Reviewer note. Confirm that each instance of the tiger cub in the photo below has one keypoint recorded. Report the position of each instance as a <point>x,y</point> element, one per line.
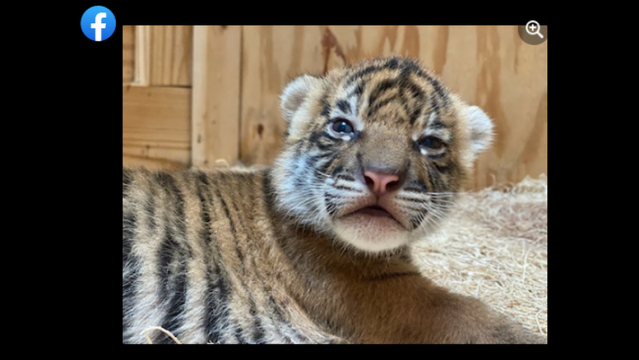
<point>315,248</point>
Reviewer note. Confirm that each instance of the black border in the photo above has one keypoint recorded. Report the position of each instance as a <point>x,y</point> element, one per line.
<point>97,69</point>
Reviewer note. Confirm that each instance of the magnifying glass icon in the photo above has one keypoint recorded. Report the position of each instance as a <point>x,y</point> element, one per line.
<point>533,28</point>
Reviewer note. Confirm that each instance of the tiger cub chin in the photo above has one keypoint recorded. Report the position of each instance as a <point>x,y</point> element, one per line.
<point>314,248</point>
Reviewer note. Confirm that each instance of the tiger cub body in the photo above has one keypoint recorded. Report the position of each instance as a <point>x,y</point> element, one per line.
<point>315,248</point>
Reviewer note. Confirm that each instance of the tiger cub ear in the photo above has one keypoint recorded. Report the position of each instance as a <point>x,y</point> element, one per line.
<point>295,93</point>
<point>481,130</point>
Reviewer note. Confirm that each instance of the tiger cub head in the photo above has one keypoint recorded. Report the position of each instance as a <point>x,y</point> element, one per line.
<point>374,153</point>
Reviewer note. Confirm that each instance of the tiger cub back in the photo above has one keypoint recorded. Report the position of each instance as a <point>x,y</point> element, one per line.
<point>197,262</point>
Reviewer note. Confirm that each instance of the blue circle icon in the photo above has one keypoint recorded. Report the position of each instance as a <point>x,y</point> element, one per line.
<point>98,23</point>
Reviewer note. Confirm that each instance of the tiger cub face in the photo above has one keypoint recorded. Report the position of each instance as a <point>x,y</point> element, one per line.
<point>375,152</point>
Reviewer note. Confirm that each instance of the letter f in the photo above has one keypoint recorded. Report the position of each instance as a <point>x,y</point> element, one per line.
<point>98,26</point>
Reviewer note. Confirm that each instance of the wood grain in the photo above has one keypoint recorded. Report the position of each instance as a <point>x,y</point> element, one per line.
<point>128,48</point>
<point>271,56</point>
<point>157,123</point>
<point>216,94</point>
<point>170,55</point>
<point>131,161</point>
<point>487,65</point>
<point>141,59</point>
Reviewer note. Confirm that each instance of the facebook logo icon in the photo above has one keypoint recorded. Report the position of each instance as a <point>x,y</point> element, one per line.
<point>98,23</point>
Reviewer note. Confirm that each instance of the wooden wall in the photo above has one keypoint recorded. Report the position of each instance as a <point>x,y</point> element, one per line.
<point>193,95</point>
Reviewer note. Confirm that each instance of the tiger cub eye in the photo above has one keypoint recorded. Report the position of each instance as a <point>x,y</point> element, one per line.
<point>431,142</point>
<point>342,126</point>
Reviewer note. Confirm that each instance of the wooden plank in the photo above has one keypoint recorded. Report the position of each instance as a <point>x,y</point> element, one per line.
<point>141,73</point>
<point>511,86</point>
<point>271,56</point>
<point>156,123</point>
<point>488,66</point>
<point>132,161</point>
<point>170,55</point>
<point>128,49</point>
<point>216,94</point>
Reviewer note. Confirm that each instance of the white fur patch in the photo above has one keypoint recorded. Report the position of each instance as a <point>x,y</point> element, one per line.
<point>295,93</point>
<point>371,234</point>
<point>481,129</point>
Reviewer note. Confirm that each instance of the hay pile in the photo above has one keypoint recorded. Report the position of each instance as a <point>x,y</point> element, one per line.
<point>494,247</point>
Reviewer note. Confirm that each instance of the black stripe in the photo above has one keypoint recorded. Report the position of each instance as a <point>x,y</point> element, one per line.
<point>435,107</point>
<point>392,63</point>
<point>435,180</point>
<point>324,147</point>
<point>179,220</point>
<point>416,201</point>
<point>331,207</point>
<point>217,316</point>
<point>131,263</point>
<point>149,209</point>
<point>238,335</point>
<point>217,294</point>
<point>329,136</point>
<point>128,233</point>
<point>231,223</point>
<point>343,106</point>
<point>380,104</point>
<point>413,115</point>
<point>126,180</point>
<point>326,107</point>
<point>278,318</point>
<point>326,166</point>
<point>173,254</point>
<point>436,156</point>
<point>202,184</point>
<point>226,210</point>
<point>412,67</point>
<point>357,91</point>
<point>361,73</point>
<point>342,187</point>
<point>216,288</point>
<point>318,175</point>
<point>416,91</point>
<point>436,124</point>
<point>344,177</point>
<point>416,221</point>
<point>313,159</point>
<point>409,66</point>
<point>382,87</point>
<point>442,168</point>
<point>417,96</point>
<point>175,288</point>
<point>313,138</point>
<point>439,89</point>
<point>360,166</point>
<point>418,210</point>
<point>337,170</point>
<point>257,333</point>
<point>417,186</point>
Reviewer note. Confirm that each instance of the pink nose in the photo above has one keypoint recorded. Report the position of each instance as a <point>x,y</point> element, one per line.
<point>380,183</point>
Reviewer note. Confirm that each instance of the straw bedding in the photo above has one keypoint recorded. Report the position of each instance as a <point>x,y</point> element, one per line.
<point>494,247</point>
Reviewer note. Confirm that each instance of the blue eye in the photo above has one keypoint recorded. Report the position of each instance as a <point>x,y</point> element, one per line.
<point>342,126</point>
<point>431,142</point>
